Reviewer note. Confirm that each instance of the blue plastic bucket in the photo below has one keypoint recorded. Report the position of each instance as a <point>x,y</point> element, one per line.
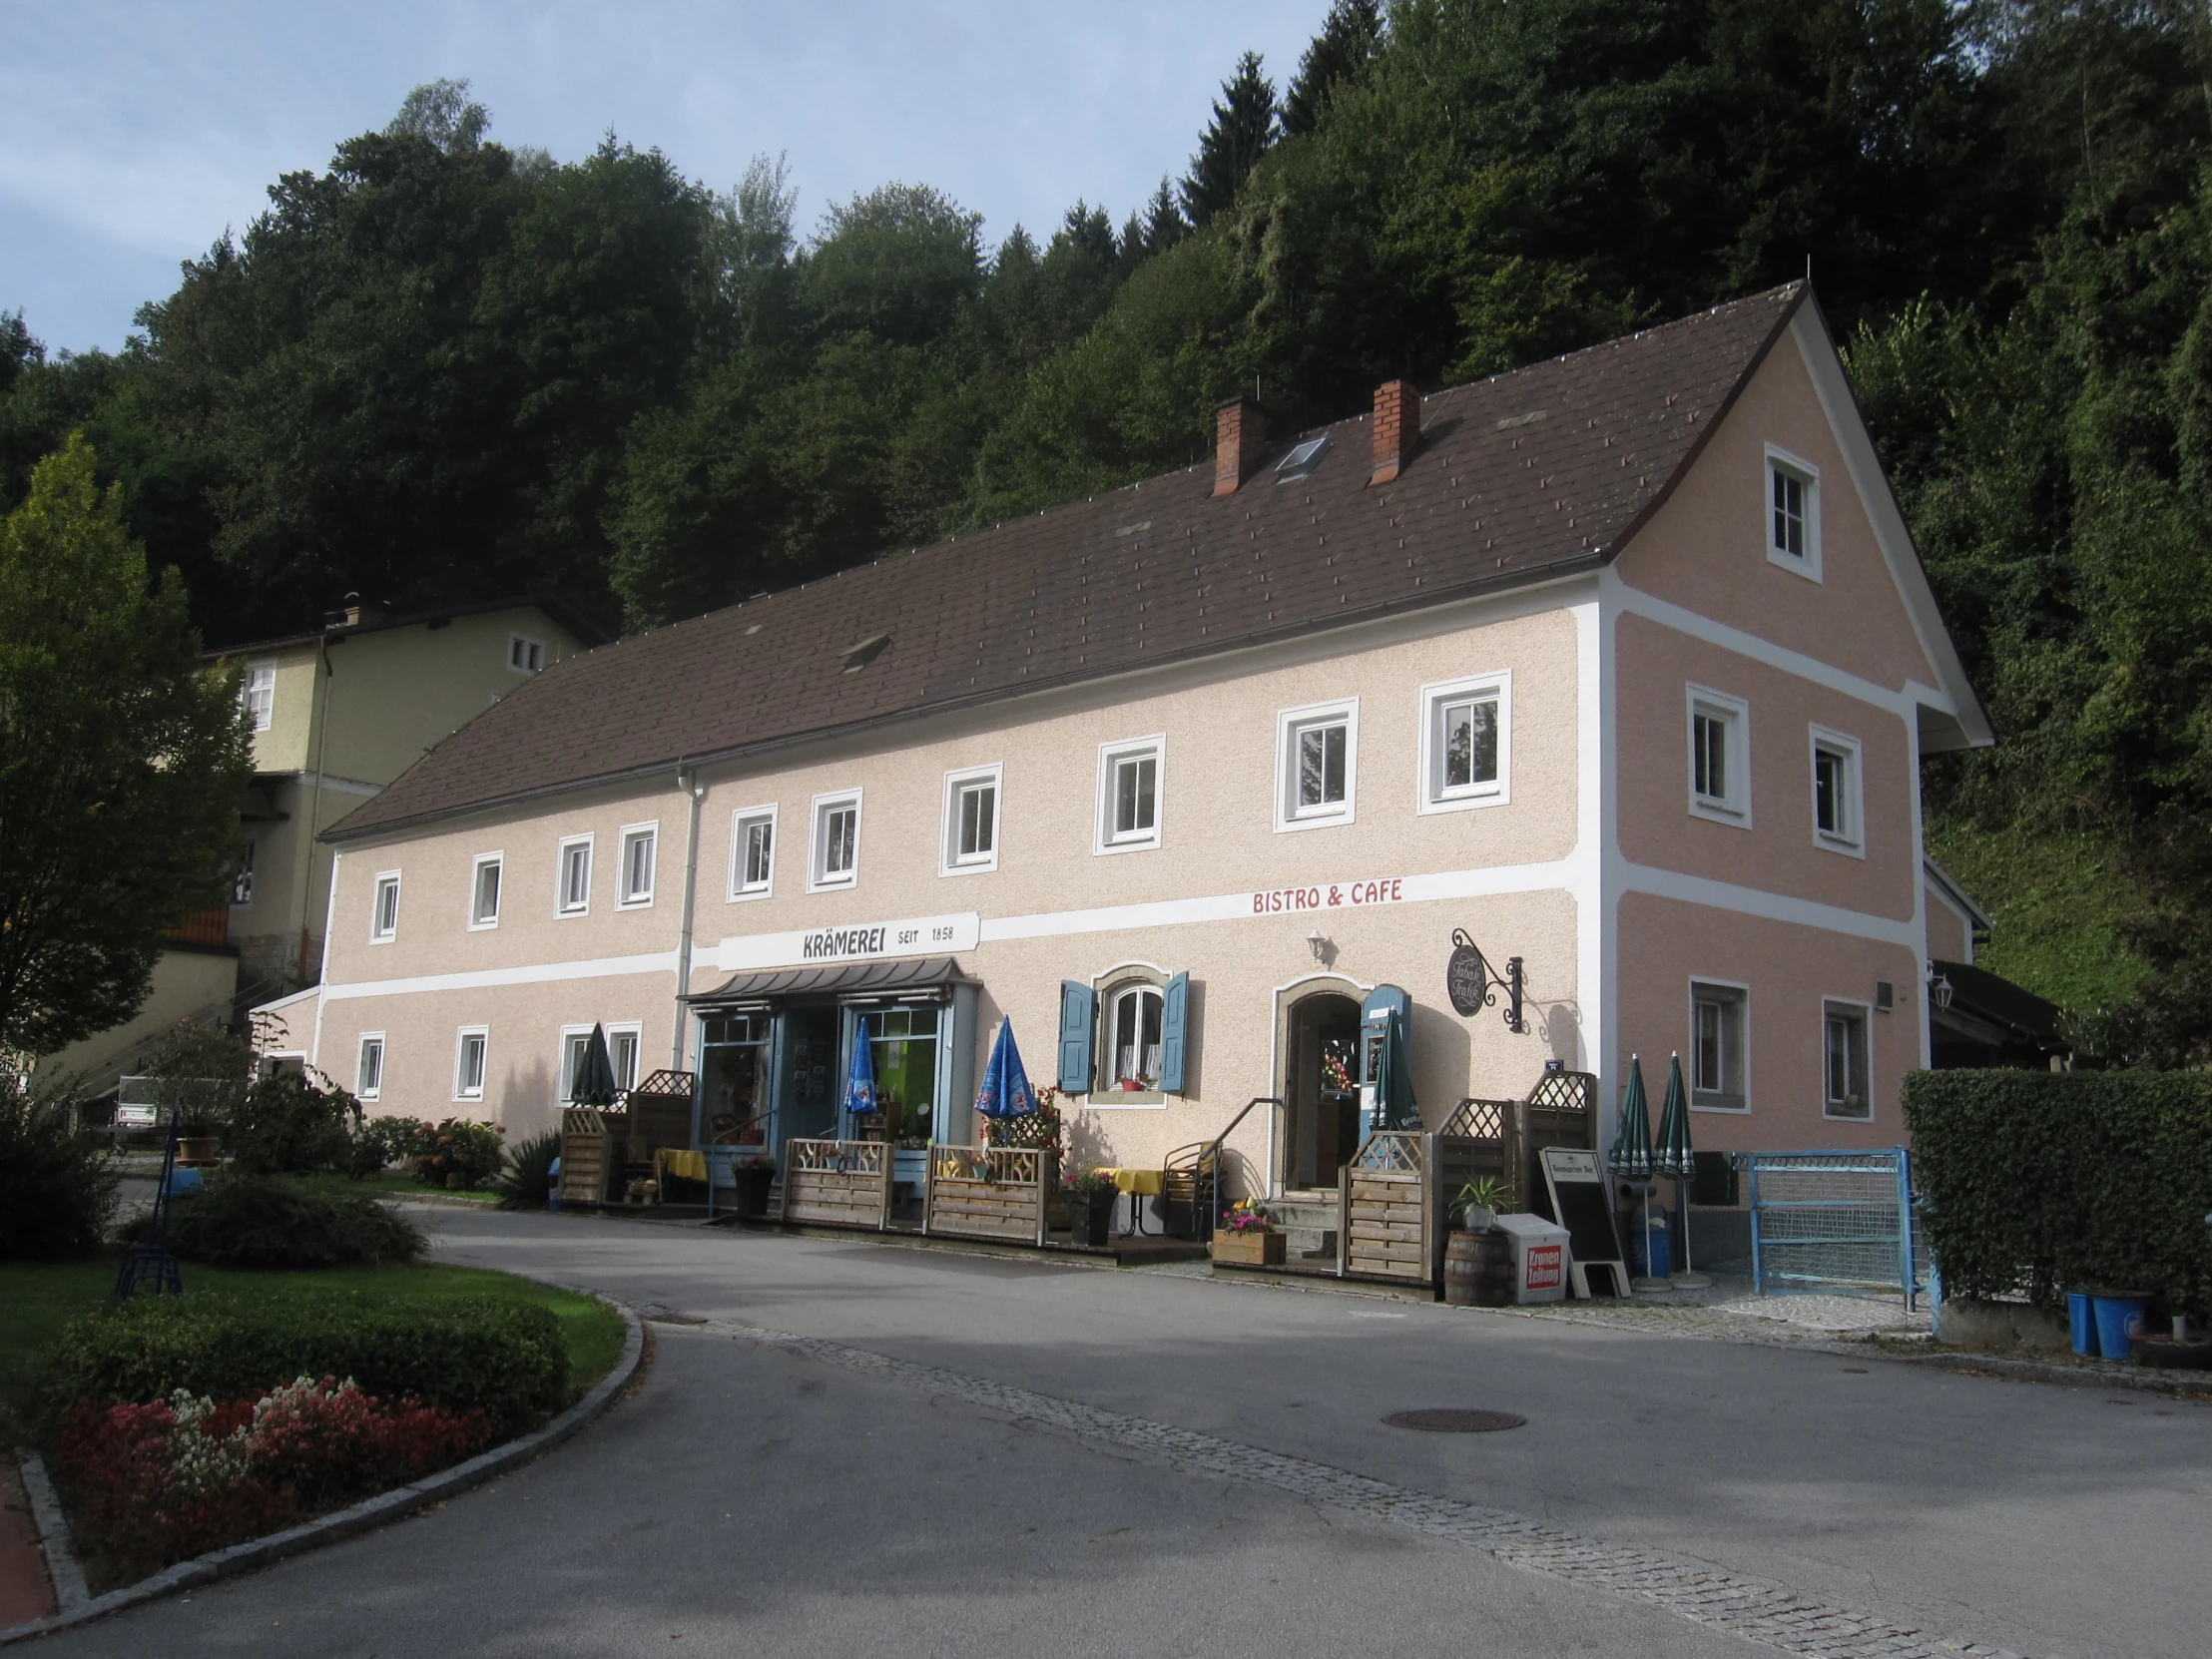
<point>1657,1267</point>
<point>2081,1313</point>
<point>2119,1322</point>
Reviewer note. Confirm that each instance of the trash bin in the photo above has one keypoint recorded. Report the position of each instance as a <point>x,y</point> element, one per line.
<point>2120,1324</point>
<point>2082,1318</point>
<point>1540,1257</point>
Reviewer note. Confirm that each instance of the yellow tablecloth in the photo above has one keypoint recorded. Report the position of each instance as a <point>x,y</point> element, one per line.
<point>1146,1183</point>
<point>685,1166</point>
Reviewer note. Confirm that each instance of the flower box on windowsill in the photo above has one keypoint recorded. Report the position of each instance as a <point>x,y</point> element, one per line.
<point>1249,1249</point>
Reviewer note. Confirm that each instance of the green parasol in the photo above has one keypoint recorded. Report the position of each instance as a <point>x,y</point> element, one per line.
<point>1674,1157</point>
<point>1393,1079</point>
<point>1629,1157</point>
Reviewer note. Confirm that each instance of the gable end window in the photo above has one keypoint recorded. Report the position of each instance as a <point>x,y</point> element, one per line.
<point>1839,799</point>
<point>573,897</point>
<point>524,654</point>
<point>383,909</point>
<point>1720,756</point>
<point>484,892</point>
<point>258,693</point>
<point>1846,1064</point>
<point>1719,1047</point>
<point>752,852</point>
<point>634,875</point>
<point>1317,764</point>
<point>1793,513</point>
<point>971,820</point>
<point>1466,747</point>
<point>835,857</point>
<point>1131,776</point>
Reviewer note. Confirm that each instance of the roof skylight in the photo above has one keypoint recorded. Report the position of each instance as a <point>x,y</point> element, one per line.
<point>1302,460</point>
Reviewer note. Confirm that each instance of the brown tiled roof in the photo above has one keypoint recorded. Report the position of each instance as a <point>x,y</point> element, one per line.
<point>1519,477</point>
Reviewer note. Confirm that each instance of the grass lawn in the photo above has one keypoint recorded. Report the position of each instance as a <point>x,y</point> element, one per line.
<point>2057,901</point>
<point>38,1299</point>
<point>400,1184</point>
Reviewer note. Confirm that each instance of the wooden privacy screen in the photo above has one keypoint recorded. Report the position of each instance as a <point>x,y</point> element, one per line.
<point>840,1183</point>
<point>1384,1215</point>
<point>990,1191</point>
<point>585,1137</point>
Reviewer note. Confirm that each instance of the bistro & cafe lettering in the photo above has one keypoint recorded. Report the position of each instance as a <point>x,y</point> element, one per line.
<point>1387,890</point>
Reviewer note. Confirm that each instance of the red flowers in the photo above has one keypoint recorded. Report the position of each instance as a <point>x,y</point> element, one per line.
<point>162,1483</point>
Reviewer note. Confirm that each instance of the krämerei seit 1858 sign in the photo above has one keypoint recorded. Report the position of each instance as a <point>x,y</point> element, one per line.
<point>852,942</point>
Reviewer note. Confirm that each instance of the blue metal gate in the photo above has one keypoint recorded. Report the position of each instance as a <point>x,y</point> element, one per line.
<point>1836,1221</point>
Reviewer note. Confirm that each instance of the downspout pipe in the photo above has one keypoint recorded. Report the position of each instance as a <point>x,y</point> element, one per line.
<point>314,801</point>
<point>686,779</point>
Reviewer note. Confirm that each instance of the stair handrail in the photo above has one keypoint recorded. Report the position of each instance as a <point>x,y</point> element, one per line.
<point>1211,1156</point>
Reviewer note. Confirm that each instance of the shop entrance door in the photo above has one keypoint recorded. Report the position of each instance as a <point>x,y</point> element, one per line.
<point>1323,1091</point>
<point>806,1088</point>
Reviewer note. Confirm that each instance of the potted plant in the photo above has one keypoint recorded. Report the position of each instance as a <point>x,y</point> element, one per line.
<point>754,1174</point>
<point>1476,1204</point>
<point>1090,1200</point>
<point>1246,1238</point>
<point>1478,1258</point>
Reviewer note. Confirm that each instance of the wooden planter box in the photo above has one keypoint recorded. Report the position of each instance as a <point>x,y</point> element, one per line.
<point>1248,1250</point>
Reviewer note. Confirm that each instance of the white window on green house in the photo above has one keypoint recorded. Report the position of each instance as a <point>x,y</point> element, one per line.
<point>241,877</point>
<point>469,1063</point>
<point>835,859</point>
<point>753,852</point>
<point>1845,1063</point>
<point>257,691</point>
<point>483,894</point>
<point>971,820</point>
<point>524,654</point>
<point>1719,1046</point>
<point>369,1066</point>
<point>574,895</point>
<point>383,909</point>
<point>635,875</point>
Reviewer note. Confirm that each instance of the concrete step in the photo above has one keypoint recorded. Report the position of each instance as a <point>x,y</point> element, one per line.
<point>1307,1221</point>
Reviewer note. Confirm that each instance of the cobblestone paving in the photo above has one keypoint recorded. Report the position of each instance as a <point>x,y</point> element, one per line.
<point>1758,1611</point>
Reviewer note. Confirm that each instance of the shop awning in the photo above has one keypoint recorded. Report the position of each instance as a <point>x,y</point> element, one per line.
<point>918,975</point>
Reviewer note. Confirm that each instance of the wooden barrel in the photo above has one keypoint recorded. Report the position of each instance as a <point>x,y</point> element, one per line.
<point>1478,1270</point>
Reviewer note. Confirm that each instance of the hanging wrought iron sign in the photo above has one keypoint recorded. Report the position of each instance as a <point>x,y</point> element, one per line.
<point>1472,986</point>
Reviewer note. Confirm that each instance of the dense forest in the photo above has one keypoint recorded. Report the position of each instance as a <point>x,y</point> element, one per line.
<point>448,368</point>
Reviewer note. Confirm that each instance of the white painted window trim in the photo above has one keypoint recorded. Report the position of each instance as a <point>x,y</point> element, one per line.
<point>264,714</point>
<point>1104,988</point>
<point>1431,796</point>
<point>818,850</point>
<point>1288,724</point>
<point>378,932</point>
<point>1718,984</point>
<point>561,906</point>
<point>1102,817</point>
<point>949,861</point>
<point>1866,1025</point>
<point>628,833</point>
<point>363,1091</point>
<point>460,1051</point>
<point>1781,460</point>
<point>1735,808</point>
<point>740,821</point>
<point>1852,844</point>
<point>563,1079</point>
<point>530,643</point>
<point>475,874</point>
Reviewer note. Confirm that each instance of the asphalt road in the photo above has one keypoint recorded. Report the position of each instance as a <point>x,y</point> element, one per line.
<point>763,1498</point>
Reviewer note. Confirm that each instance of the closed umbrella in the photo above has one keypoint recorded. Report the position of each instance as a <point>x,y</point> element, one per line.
<point>594,1083</point>
<point>1395,1107</point>
<point>1006,1092</point>
<point>859,1082</point>
<point>1629,1158</point>
<point>1673,1157</point>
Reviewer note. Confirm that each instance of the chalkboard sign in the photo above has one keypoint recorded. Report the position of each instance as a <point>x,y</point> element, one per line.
<point>1581,1204</point>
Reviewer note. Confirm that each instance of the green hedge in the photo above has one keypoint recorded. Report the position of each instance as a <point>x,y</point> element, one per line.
<point>267,1221</point>
<point>509,1359</point>
<point>2045,1182</point>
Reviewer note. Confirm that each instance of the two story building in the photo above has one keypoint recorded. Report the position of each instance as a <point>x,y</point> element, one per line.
<point>1622,665</point>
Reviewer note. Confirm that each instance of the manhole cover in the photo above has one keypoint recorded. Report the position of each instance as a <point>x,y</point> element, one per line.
<point>1452,1421</point>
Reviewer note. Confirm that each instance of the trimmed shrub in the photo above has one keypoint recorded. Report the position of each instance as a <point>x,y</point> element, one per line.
<point>2043,1183</point>
<point>379,1143</point>
<point>460,1154</point>
<point>527,1181</point>
<point>261,1221</point>
<point>505,1359</point>
<point>57,1182</point>
<point>288,1125</point>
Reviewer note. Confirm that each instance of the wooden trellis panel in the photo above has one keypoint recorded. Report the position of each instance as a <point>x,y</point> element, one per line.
<point>989,1192</point>
<point>837,1183</point>
<point>1384,1224</point>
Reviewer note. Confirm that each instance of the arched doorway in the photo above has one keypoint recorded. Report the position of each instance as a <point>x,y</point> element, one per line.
<point>1321,1089</point>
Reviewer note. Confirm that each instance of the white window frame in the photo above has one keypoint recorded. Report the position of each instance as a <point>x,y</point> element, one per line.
<point>498,861</point>
<point>257,694</point>
<point>1865,1011</point>
<point>1735,807</point>
<point>624,899</point>
<point>363,1090</point>
<point>1106,989</point>
<point>564,1074</point>
<point>1110,756</point>
<point>1703,982</point>
<point>819,878</point>
<point>950,860</point>
<point>378,932</point>
<point>1781,461</point>
<point>482,1034</point>
<point>1291,725</point>
<point>1852,839</point>
<point>1434,796</point>
<point>741,824</point>
<point>530,649</point>
<point>561,906</point>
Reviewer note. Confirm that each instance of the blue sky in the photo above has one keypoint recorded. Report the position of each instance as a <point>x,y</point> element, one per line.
<point>131,135</point>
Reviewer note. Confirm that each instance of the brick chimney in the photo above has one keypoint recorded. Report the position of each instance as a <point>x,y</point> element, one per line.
<point>1396,428</point>
<point>1240,434</point>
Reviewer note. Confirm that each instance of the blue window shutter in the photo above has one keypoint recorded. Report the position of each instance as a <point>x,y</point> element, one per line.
<point>1078,1012</point>
<point>1175,1025</point>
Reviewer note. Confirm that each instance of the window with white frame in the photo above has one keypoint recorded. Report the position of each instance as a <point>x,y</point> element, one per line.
<point>469,1063</point>
<point>1720,749</point>
<point>572,895</point>
<point>634,878</point>
<point>1135,1019</point>
<point>1719,1036</point>
<point>383,908</point>
<point>1465,758</point>
<point>1793,513</point>
<point>1130,775</point>
<point>1845,1063</point>
<point>1317,764</point>
<point>835,860</point>
<point>369,1066</point>
<point>257,694</point>
<point>242,876</point>
<point>971,819</point>
<point>524,654</point>
<point>622,1055</point>
<point>752,852</point>
<point>484,892</point>
<point>1837,796</point>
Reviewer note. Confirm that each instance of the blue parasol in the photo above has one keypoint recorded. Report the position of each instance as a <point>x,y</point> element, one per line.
<point>1006,1092</point>
<point>860,1083</point>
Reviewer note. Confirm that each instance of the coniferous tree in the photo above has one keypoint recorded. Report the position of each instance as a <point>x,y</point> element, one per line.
<point>1241,130</point>
<point>1340,52</point>
<point>1164,223</point>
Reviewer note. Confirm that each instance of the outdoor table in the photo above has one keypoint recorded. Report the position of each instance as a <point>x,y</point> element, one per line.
<point>1135,1184</point>
<point>683,1165</point>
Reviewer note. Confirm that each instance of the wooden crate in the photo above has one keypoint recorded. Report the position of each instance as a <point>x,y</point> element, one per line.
<point>837,1183</point>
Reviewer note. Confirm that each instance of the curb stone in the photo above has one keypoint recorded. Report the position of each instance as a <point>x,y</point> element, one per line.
<point>62,1571</point>
<point>360,1517</point>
